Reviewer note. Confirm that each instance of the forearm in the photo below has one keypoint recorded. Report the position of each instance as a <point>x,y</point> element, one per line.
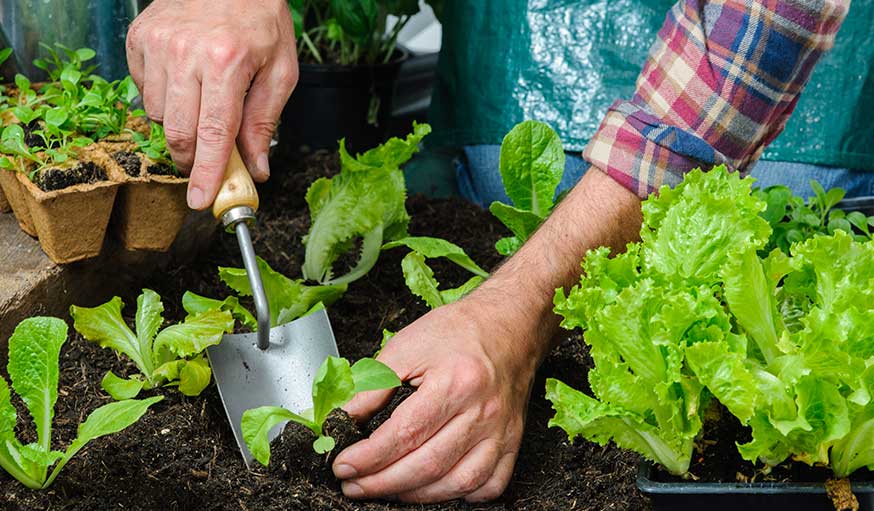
<point>597,212</point>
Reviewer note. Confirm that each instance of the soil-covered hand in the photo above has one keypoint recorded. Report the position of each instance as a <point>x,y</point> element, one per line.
<point>458,435</point>
<point>214,71</point>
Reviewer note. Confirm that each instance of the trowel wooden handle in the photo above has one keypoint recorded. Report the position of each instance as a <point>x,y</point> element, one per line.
<point>237,187</point>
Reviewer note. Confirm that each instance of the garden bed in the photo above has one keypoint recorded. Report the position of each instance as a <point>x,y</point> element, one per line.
<point>182,455</point>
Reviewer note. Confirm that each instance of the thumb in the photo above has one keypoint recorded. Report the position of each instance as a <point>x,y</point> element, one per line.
<point>395,356</point>
<point>267,96</point>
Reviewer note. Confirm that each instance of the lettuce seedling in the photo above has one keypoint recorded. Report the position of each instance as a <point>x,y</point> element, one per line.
<point>288,299</point>
<point>171,357</point>
<point>34,349</point>
<point>794,220</point>
<point>335,384</point>
<point>365,202</point>
<point>419,277</point>
<point>532,164</point>
<point>155,145</point>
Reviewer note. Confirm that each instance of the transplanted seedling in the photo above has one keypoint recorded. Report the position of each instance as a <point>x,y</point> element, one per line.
<point>34,349</point>
<point>173,356</point>
<point>532,165</point>
<point>419,277</point>
<point>365,202</point>
<point>287,298</point>
<point>335,384</point>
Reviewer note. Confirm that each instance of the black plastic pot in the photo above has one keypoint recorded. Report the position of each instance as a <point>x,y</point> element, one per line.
<point>333,102</point>
<point>695,496</point>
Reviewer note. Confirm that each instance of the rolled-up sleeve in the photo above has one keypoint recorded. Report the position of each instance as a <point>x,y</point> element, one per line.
<point>719,84</point>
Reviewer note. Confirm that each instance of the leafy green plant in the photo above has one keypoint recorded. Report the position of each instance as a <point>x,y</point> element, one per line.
<point>348,32</point>
<point>695,312</point>
<point>419,277</point>
<point>335,384</point>
<point>532,164</point>
<point>794,220</point>
<point>170,357</point>
<point>365,202</point>
<point>155,145</point>
<point>288,299</point>
<point>5,53</point>
<point>68,113</point>
<point>34,349</point>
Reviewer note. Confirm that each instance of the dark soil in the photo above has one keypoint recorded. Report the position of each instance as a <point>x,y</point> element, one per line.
<point>182,454</point>
<point>31,139</point>
<point>86,172</point>
<point>716,458</point>
<point>161,169</point>
<point>132,165</point>
<point>129,161</point>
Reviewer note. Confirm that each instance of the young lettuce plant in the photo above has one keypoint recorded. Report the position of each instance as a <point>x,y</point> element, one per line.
<point>335,384</point>
<point>170,357</point>
<point>288,299</point>
<point>532,164</point>
<point>419,277</point>
<point>34,349</point>
<point>794,220</point>
<point>365,202</point>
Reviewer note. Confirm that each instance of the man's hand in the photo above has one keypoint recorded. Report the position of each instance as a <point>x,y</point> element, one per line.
<point>212,72</point>
<point>473,363</point>
<point>458,435</point>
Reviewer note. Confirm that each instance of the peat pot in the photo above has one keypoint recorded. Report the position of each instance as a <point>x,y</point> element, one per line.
<point>333,102</point>
<point>14,194</point>
<point>151,205</point>
<point>4,203</point>
<point>70,223</point>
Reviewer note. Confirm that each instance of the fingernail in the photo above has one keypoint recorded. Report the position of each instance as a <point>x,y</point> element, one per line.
<point>352,490</point>
<point>195,198</point>
<point>344,471</point>
<point>263,165</point>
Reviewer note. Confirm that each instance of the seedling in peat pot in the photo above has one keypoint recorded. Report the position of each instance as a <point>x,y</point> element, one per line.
<point>34,349</point>
<point>171,357</point>
<point>532,164</point>
<point>335,384</point>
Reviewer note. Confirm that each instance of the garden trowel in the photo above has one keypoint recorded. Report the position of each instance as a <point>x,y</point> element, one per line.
<point>274,366</point>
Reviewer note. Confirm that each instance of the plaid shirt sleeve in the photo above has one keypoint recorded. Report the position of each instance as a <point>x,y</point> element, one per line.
<point>718,86</point>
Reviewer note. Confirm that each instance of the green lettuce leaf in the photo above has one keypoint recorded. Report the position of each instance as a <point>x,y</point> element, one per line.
<point>34,350</point>
<point>195,304</point>
<point>288,299</point>
<point>532,164</point>
<point>161,356</point>
<point>334,385</point>
<point>419,277</point>
<point>365,202</point>
<point>122,388</point>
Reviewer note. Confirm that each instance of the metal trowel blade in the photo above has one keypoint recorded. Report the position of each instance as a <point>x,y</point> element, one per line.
<point>282,375</point>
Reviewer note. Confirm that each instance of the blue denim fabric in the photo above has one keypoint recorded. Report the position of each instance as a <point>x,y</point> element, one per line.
<point>479,179</point>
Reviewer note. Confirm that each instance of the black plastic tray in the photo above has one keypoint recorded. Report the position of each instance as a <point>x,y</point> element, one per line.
<point>695,496</point>
<point>862,204</point>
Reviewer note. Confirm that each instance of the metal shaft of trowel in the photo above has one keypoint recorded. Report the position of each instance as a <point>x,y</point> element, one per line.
<point>262,309</point>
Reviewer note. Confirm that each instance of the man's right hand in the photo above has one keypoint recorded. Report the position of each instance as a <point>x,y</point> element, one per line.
<point>214,72</point>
